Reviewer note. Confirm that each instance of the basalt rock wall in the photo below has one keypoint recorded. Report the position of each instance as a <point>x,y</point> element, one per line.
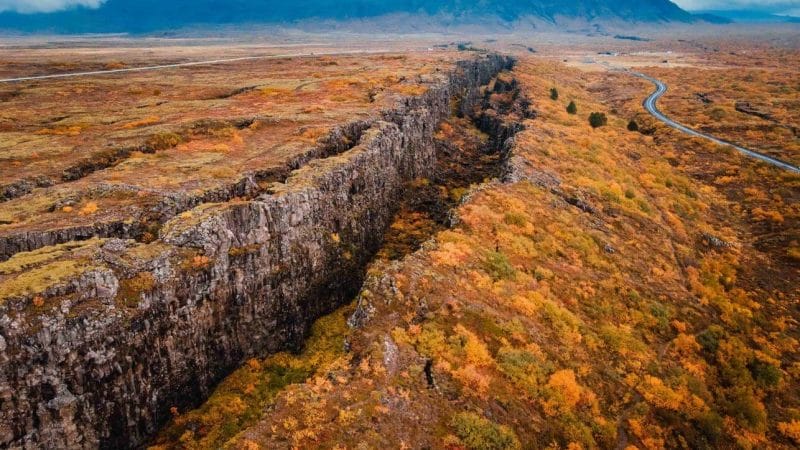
<point>223,283</point>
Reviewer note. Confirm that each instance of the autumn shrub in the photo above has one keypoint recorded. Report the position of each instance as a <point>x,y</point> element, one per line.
<point>498,266</point>
<point>765,374</point>
<point>516,219</point>
<point>163,141</point>
<point>523,367</point>
<point>717,114</point>
<point>768,215</point>
<point>711,426</point>
<point>790,430</point>
<point>709,339</point>
<point>147,121</point>
<point>477,433</point>
<point>563,393</point>
<point>597,119</point>
<point>474,349</point>
<point>196,263</point>
<point>88,209</point>
<point>572,108</point>
<point>130,290</point>
<point>749,412</point>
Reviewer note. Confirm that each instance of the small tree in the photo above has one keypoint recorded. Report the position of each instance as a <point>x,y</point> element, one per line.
<point>597,119</point>
<point>553,94</point>
<point>633,126</point>
<point>572,108</point>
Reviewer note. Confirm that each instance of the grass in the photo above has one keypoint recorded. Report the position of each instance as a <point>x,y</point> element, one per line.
<point>37,280</point>
<point>27,260</point>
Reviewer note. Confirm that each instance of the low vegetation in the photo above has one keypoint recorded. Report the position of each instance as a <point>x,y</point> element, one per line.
<point>241,399</point>
<point>632,288</point>
<point>597,119</point>
<point>572,108</point>
<point>606,300</point>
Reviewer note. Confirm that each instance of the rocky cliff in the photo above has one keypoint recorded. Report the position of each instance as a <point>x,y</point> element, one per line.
<point>114,333</point>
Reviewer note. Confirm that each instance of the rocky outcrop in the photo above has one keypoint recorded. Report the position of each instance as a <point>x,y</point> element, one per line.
<point>103,357</point>
<point>249,185</point>
<point>748,108</point>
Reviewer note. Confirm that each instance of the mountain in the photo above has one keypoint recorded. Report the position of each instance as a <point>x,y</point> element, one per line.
<point>712,18</point>
<point>137,16</point>
<point>749,16</point>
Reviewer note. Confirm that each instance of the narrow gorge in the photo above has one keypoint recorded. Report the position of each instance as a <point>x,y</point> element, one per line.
<point>122,331</point>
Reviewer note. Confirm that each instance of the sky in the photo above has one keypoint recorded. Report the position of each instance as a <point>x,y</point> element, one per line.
<point>34,6</point>
<point>777,6</point>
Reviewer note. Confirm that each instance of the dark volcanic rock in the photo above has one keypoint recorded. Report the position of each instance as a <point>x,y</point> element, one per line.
<point>748,108</point>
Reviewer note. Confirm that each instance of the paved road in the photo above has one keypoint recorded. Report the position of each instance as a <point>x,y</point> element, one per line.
<point>186,64</point>
<point>650,104</point>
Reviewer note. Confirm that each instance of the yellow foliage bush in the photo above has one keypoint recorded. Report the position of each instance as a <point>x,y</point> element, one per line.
<point>565,393</point>
<point>88,209</point>
<point>790,430</point>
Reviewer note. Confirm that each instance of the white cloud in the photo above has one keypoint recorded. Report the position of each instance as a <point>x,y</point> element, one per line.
<point>769,5</point>
<point>40,6</point>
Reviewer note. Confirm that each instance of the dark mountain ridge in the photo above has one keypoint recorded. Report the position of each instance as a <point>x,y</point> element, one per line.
<point>136,16</point>
<point>749,16</point>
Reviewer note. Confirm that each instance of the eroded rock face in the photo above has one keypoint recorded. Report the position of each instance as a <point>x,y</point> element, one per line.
<point>230,281</point>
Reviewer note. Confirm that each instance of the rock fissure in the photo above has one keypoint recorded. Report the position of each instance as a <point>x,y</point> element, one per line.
<point>100,359</point>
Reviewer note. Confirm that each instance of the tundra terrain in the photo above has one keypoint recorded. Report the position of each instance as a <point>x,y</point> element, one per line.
<point>421,245</point>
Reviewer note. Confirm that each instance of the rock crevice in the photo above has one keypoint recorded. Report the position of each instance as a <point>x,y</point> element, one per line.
<point>113,350</point>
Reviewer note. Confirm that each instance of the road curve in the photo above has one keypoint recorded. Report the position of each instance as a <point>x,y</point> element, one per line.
<point>186,64</point>
<point>651,105</point>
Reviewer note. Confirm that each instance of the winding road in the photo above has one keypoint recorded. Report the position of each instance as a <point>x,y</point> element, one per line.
<point>651,105</point>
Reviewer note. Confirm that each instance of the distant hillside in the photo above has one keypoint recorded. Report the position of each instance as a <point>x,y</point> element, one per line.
<point>749,16</point>
<point>152,15</point>
<point>712,18</point>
